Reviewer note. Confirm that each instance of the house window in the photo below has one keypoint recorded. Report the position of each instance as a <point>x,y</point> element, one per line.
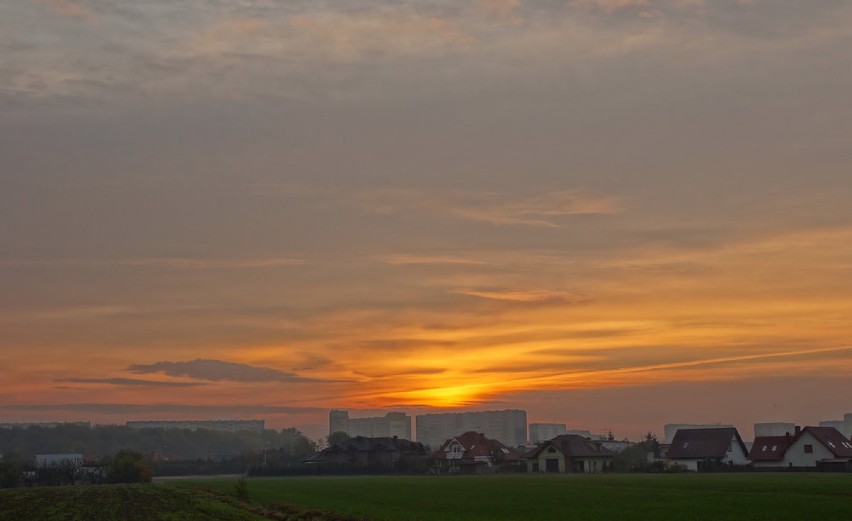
<point>685,444</point>
<point>763,449</point>
<point>830,444</point>
<point>774,448</point>
<point>809,449</point>
<point>551,465</point>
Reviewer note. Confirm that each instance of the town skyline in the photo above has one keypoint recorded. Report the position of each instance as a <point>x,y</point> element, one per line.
<point>612,214</point>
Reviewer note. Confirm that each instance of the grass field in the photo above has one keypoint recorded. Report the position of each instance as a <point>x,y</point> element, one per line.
<point>770,497</point>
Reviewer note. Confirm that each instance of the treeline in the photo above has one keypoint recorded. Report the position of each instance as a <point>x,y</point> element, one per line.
<point>124,467</point>
<point>168,444</point>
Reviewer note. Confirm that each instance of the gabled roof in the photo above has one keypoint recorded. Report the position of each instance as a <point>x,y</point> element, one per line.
<point>475,444</point>
<point>832,439</point>
<point>769,448</point>
<point>573,445</point>
<point>361,443</point>
<point>709,443</point>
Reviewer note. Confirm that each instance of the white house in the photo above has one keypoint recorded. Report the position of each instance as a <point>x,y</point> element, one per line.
<point>55,460</point>
<point>818,446</point>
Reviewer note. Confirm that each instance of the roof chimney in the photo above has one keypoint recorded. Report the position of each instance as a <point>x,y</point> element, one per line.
<point>798,430</point>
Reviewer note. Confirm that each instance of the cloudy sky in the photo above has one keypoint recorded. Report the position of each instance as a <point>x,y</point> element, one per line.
<point>611,213</point>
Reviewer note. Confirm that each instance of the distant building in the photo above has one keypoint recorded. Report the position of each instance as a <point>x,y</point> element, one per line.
<point>257,426</point>
<point>540,432</point>
<point>585,434</point>
<point>43,461</point>
<point>391,424</point>
<point>616,446</point>
<point>508,427</point>
<point>833,424</point>
<point>698,448</point>
<point>474,453</point>
<point>671,428</point>
<point>45,425</point>
<point>844,425</point>
<point>569,453</point>
<point>773,429</point>
<point>369,453</point>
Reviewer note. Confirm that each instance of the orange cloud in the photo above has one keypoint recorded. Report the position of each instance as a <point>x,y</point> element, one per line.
<point>74,9</point>
<point>495,208</point>
<point>504,9</point>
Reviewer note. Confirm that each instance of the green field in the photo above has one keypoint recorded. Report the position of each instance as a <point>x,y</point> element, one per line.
<point>612,497</point>
<point>608,497</point>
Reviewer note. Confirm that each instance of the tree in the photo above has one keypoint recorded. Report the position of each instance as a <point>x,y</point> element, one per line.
<point>337,437</point>
<point>129,466</point>
<point>635,457</point>
<point>11,474</point>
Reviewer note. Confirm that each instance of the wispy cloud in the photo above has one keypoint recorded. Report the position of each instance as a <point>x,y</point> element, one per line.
<point>495,208</point>
<point>527,296</point>
<point>218,370</point>
<point>128,382</point>
<point>168,408</point>
<point>405,259</point>
<point>177,263</point>
<point>75,9</point>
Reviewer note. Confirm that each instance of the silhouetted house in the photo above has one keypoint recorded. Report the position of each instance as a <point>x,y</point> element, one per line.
<point>473,453</point>
<point>368,453</point>
<point>707,449</point>
<point>569,453</point>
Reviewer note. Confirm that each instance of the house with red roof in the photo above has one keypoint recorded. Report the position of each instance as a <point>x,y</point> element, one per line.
<point>705,449</point>
<point>818,447</point>
<point>768,451</point>
<point>569,453</point>
<point>473,453</point>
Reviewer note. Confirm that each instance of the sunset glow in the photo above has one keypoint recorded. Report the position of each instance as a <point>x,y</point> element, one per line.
<point>611,214</point>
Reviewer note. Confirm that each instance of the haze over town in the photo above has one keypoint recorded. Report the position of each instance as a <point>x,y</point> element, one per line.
<point>613,214</point>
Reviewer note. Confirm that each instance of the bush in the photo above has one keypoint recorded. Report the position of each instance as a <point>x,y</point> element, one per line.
<point>129,466</point>
<point>241,490</point>
<point>11,475</point>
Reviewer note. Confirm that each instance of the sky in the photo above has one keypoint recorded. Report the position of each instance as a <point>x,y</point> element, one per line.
<point>613,214</point>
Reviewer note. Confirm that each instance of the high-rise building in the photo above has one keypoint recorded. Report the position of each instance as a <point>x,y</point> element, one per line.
<point>540,432</point>
<point>194,425</point>
<point>774,429</point>
<point>508,427</point>
<point>391,424</point>
<point>844,425</point>
<point>45,425</point>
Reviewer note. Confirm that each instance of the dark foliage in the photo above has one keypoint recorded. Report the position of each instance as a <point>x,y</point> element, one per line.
<point>128,466</point>
<point>167,444</point>
<point>241,490</point>
<point>635,457</point>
